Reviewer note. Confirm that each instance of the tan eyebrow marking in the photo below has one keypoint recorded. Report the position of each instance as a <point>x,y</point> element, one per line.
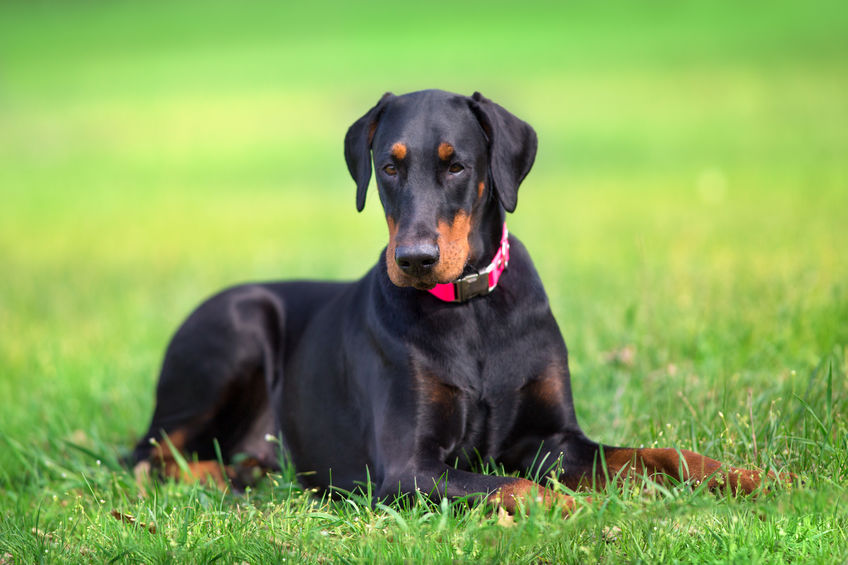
<point>398,150</point>
<point>445,151</point>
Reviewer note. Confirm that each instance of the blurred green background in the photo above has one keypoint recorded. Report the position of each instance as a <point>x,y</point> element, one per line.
<point>687,209</point>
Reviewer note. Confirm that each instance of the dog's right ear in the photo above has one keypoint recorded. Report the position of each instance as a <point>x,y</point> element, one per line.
<point>357,148</point>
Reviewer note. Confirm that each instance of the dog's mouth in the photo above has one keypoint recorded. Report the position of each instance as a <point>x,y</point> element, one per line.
<point>440,273</point>
<point>424,284</point>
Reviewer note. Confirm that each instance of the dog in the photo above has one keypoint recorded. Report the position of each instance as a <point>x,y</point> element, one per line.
<point>443,355</point>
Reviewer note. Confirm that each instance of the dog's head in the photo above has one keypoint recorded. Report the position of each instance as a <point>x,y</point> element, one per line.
<point>441,159</point>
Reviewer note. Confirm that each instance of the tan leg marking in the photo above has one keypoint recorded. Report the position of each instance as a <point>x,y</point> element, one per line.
<point>656,462</point>
<point>206,472</point>
<point>167,453</point>
<point>508,496</point>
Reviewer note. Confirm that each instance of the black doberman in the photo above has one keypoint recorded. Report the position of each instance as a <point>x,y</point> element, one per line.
<point>431,362</point>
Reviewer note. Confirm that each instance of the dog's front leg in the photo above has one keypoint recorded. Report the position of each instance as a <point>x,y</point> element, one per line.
<point>684,465</point>
<point>439,480</point>
<point>584,463</point>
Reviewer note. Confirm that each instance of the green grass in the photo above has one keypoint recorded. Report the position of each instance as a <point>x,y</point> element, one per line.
<point>688,202</point>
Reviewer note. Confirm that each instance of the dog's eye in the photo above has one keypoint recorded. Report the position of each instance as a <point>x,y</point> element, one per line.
<point>390,170</point>
<point>456,168</point>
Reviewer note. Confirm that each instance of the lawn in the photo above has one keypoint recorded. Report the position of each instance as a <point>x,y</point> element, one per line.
<point>688,212</point>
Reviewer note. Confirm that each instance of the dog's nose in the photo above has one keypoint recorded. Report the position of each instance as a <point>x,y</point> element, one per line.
<point>417,260</point>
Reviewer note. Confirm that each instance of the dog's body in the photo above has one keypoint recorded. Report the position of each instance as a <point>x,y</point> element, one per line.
<point>381,379</point>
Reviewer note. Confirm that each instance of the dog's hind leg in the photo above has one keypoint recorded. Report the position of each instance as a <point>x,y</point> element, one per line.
<point>212,397</point>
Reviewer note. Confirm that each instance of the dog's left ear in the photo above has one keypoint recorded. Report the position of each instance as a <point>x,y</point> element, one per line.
<point>357,148</point>
<point>512,147</point>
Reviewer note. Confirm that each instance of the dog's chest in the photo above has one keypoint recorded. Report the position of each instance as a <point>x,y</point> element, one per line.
<point>469,404</point>
<point>476,373</point>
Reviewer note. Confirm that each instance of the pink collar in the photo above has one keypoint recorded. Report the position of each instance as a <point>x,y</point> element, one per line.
<point>476,284</point>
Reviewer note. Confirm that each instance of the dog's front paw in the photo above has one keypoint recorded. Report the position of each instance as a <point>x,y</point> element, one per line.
<point>522,493</point>
<point>745,481</point>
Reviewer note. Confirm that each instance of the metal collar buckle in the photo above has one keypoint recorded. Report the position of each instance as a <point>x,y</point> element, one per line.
<point>469,286</point>
<point>478,284</point>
